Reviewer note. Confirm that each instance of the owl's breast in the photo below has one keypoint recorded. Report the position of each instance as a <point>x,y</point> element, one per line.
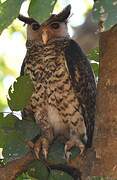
<point>53,89</point>
<point>56,75</point>
<point>55,119</point>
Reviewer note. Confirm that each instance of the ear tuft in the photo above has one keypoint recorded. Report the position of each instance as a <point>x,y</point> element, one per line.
<point>61,17</point>
<point>27,20</point>
<point>64,14</point>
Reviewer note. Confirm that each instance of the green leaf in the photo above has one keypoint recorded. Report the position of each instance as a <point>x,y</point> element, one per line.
<point>94,54</point>
<point>40,9</point>
<point>59,175</point>
<point>3,138</point>
<point>24,176</point>
<point>29,129</point>
<point>14,146</point>
<point>107,11</point>
<point>95,67</point>
<point>14,134</point>
<point>20,93</point>
<point>56,153</point>
<point>38,170</point>
<point>6,126</point>
<point>11,140</point>
<point>9,10</point>
<point>8,121</point>
<point>1,116</point>
<point>75,151</point>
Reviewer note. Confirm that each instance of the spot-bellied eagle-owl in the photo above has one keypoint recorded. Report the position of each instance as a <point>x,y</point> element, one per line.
<point>63,101</point>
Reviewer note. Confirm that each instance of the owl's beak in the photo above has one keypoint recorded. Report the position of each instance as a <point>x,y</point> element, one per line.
<point>45,36</point>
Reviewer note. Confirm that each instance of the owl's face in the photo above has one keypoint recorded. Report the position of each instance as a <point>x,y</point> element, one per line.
<point>52,28</point>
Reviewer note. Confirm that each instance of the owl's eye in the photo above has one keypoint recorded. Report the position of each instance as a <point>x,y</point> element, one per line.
<point>35,26</point>
<point>55,25</point>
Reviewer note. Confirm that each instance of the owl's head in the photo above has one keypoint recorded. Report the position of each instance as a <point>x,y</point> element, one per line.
<point>52,28</point>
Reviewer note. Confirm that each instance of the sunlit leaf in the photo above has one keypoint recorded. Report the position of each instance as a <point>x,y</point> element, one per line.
<point>41,10</point>
<point>24,176</point>
<point>94,55</point>
<point>20,93</point>
<point>9,10</point>
<point>1,116</point>
<point>95,67</point>
<point>106,11</point>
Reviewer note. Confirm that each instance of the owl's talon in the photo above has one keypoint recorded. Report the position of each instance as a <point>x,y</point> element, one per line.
<point>30,144</point>
<point>67,153</point>
<point>70,144</point>
<point>82,147</point>
<point>45,146</point>
<point>37,150</point>
<point>41,144</point>
<point>45,153</point>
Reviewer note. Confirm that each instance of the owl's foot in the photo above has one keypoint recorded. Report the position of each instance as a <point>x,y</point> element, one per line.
<point>42,144</point>
<point>73,143</point>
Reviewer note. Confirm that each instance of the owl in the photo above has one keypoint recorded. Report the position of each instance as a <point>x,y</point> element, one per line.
<point>63,101</point>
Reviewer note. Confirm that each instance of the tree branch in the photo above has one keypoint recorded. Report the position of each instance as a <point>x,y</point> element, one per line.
<point>16,167</point>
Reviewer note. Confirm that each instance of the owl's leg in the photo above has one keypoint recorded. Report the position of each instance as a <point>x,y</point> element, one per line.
<point>73,142</point>
<point>77,134</point>
<point>46,138</point>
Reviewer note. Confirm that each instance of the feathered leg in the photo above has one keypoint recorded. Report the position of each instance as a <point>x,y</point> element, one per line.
<point>46,138</point>
<point>77,133</point>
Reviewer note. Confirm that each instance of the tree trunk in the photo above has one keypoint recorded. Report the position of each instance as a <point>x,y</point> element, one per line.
<point>105,136</point>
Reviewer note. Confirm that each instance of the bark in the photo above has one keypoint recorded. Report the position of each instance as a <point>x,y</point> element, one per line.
<point>16,167</point>
<point>101,159</point>
<point>105,137</point>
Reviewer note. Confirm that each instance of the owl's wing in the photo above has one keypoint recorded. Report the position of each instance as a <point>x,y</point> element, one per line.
<point>27,57</point>
<point>22,68</point>
<point>83,82</point>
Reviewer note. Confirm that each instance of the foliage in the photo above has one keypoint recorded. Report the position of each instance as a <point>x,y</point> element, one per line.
<point>40,9</point>
<point>93,56</point>
<point>105,10</point>
<point>15,132</point>
<point>6,14</point>
<point>22,85</point>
